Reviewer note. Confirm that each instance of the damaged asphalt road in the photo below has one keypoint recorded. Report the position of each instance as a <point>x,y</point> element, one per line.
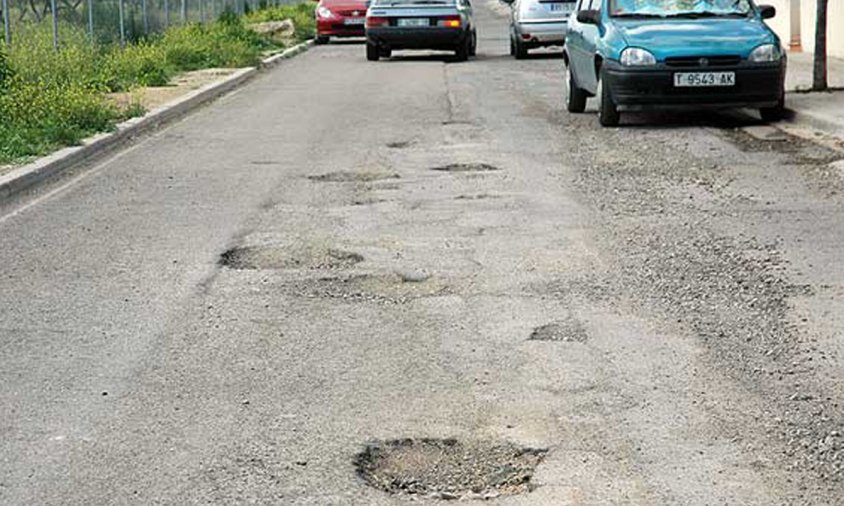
<point>439,286</point>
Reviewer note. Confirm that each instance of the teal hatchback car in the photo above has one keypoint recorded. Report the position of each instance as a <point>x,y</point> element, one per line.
<point>668,54</point>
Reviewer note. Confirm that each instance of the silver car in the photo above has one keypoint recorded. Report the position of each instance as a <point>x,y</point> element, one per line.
<point>537,23</point>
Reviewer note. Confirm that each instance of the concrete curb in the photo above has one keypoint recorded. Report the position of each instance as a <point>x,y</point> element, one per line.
<point>797,117</point>
<point>27,176</point>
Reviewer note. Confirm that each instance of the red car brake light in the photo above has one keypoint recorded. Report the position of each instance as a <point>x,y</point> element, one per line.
<point>450,22</point>
<point>375,22</point>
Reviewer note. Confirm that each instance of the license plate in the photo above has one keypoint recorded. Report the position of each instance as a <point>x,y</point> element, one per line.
<point>354,21</point>
<point>564,8</point>
<point>413,22</point>
<point>704,79</point>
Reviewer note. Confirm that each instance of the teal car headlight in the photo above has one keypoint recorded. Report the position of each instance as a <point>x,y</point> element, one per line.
<point>766,53</point>
<point>637,57</point>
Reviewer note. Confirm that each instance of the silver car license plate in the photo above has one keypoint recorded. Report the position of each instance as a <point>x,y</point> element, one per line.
<point>560,7</point>
<point>704,79</point>
<point>415,22</point>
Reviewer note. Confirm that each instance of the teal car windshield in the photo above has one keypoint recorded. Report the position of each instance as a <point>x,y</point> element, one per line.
<point>679,8</point>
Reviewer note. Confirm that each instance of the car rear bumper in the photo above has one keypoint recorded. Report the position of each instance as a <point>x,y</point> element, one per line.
<point>338,28</point>
<point>439,38</point>
<point>536,34</point>
<point>756,85</point>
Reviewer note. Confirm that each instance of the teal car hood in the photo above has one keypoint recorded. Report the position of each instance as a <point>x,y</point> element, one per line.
<point>692,37</point>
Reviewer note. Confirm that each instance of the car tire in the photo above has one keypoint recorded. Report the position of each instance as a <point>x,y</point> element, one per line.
<point>473,49</point>
<point>775,113</point>
<point>385,52</point>
<point>608,114</point>
<point>575,97</point>
<point>521,51</point>
<point>512,47</point>
<point>372,52</point>
<point>321,39</point>
<point>461,52</point>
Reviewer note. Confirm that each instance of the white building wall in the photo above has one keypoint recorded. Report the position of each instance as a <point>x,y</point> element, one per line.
<point>835,24</point>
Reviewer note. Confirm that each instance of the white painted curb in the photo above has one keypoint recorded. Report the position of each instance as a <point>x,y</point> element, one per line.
<point>25,177</point>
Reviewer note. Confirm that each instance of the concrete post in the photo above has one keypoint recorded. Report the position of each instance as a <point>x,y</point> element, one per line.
<point>55,10</point>
<point>795,44</point>
<point>7,27</point>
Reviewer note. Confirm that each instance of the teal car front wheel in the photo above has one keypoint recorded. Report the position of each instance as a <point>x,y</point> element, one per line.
<point>575,97</point>
<point>608,114</point>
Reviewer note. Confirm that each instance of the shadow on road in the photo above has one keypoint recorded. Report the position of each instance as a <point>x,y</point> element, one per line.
<point>357,41</point>
<point>722,120</point>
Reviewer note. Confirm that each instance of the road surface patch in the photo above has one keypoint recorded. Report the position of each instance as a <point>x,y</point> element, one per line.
<point>448,468</point>
<point>274,257</point>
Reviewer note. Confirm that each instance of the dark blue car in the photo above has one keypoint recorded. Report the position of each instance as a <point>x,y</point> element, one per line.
<point>668,54</point>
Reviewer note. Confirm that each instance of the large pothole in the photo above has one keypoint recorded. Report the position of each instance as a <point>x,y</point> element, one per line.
<point>275,257</point>
<point>448,468</point>
<point>398,288</point>
<point>352,177</point>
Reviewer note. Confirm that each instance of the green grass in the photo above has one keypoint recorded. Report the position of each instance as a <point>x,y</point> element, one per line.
<point>301,14</point>
<point>50,99</point>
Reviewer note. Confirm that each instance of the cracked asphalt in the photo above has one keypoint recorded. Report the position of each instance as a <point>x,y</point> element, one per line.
<point>343,252</point>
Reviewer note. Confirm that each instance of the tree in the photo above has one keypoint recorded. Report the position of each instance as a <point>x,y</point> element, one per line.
<point>819,81</point>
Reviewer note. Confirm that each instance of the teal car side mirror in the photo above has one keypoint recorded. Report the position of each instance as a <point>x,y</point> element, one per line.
<point>589,17</point>
<point>767,11</point>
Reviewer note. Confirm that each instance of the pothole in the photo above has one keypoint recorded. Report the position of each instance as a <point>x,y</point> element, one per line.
<point>466,167</point>
<point>567,330</point>
<point>448,468</point>
<point>368,201</point>
<point>399,144</point>
<point>479,196</point>
<point>275,257</point>
<point>352,177</point>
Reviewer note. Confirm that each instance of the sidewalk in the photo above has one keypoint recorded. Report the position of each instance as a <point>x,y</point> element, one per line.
<point>822,111</point>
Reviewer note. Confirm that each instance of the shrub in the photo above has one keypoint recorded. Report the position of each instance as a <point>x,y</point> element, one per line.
<point>225,43</point>
<point>302,15</point>
<point>141,64</point>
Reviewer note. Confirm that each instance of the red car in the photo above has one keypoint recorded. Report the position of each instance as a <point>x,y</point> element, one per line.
<point>340,18</point>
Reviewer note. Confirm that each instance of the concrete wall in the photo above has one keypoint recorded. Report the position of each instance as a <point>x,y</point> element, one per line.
<point>835,28</point>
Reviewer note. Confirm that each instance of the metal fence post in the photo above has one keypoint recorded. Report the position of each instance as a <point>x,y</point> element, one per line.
<point>91,18</point>
<point>145,15</point>
<point>7,26</point>
<point>202,11</point>
<point>184,11</point>
<point>166,13</point>
<point>55,10</point>
<point>122,23</point>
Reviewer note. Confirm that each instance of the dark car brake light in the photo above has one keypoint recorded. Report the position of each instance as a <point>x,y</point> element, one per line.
<point>375,22</point>
<point>450,22</point>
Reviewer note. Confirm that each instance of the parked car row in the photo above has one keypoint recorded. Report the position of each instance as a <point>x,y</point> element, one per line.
<point>629,54</point>
<point>446,25</point>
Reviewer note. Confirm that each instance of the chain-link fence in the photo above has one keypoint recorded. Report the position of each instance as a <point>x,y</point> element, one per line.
<point>117,20</point>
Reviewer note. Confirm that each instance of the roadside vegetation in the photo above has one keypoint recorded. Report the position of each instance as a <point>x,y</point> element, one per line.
<point>50,99</point>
